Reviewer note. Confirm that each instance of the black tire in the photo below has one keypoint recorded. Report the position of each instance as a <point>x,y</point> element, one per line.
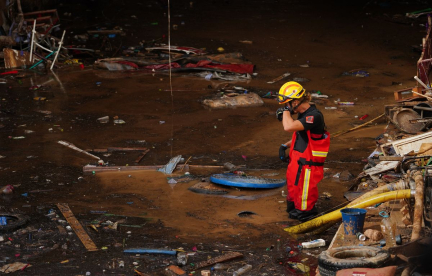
<point>352,257</point>
<point>325,272</point>
<point>14,221</point>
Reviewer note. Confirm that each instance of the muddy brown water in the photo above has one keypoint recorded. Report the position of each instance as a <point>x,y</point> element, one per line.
<point>332,39</point>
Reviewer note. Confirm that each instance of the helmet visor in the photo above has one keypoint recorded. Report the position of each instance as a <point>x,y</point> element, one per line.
<point>283,99</point>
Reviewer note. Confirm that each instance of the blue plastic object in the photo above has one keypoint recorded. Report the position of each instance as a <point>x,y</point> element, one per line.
<point>234,180</point>
<point>3,221</point>
<point>353,220</point>
<point>150,251</point>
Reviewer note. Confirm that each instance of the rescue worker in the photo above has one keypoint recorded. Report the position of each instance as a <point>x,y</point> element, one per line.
<point>308,149</point>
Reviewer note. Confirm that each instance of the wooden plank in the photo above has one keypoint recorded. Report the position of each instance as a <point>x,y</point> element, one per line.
<point>226,257</point>
<point>77,227</point>
<point>107,32</point>
<point>390,158</point>
<point>126,149</point>
<point>141,156</point>
<point>91,168</point>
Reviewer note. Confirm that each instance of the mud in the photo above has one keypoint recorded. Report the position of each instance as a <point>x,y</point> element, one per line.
<point>331,39</point>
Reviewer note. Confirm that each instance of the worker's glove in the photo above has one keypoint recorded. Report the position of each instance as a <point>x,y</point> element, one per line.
<point>282,155</point>
<point>280,111</point>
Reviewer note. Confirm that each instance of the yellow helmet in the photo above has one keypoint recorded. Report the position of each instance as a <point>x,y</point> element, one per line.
<point>290,91</point>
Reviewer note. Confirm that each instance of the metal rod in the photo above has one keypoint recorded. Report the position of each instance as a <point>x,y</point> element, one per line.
<point>32,41</point>
<point>422,83</point>
<point>40,46</point>
<point>59,48</point>
<point>40,61</point>
<point>423,108</point>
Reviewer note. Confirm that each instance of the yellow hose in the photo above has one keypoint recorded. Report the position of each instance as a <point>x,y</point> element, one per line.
<point>336,215</point>
<point>382,189</point>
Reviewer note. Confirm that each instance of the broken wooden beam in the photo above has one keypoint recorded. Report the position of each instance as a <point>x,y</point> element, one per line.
<point>92,168</point>
<point>226,257</point>
<point>77,227</point>
<point>110,149</point>
<point>120,32</point>
<point>141,156</point>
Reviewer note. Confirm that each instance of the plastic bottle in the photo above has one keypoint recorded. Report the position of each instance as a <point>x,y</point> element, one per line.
<point>182,258</point>
<point>242,270</point>
<point>388,228</point>
<point>313,244</point>
<point>220,266</point>
<point>278,242</point>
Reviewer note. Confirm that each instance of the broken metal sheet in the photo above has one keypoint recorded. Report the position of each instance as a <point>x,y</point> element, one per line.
<point>169,168</point>
<point>351,195</point>
<point>383,166</point>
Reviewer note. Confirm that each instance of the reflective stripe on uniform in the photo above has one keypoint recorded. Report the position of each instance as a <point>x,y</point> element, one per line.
<point>319,153</point>
<point>305,189</point>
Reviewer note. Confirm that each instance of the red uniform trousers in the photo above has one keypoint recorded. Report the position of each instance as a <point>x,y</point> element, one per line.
<point>306,169</point>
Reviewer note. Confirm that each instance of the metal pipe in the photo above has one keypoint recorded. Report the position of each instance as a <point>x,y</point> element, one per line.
<point>422,83</point>
<point>32,41</point>
<point>419,205</point>
<point>58,51</point>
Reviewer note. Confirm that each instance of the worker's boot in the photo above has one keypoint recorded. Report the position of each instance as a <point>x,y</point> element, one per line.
<point>290,206</point>
<point>303,215</point>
